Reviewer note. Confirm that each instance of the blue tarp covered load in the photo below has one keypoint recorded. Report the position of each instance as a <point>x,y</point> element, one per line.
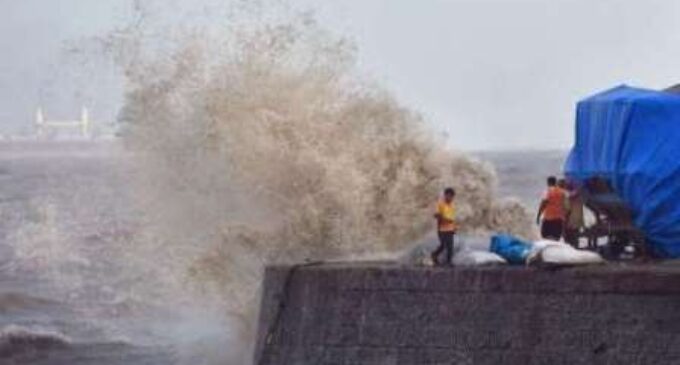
<point>512,249</point>
<point>631,137</point>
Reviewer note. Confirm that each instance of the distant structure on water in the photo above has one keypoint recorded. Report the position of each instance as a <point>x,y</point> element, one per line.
<point>64,129</point>
<point>43,126</point>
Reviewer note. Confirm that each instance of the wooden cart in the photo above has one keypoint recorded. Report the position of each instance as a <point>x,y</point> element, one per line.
<point>613,221</point>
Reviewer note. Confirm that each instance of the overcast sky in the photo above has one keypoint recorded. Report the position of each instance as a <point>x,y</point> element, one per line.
<point>491,74</point>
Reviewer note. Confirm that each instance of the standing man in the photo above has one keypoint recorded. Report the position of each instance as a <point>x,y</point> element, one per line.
<point>552,209</point>
<point>446,225</point>
<point>574,221</point>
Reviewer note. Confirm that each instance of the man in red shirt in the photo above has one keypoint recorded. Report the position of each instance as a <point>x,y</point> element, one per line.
<point>552,210</point>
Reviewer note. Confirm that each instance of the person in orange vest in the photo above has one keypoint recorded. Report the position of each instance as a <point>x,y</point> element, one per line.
<point>445,215</point>
<point>553,211</point>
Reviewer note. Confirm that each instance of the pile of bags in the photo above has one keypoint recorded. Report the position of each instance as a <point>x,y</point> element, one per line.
<point>506,249</point>
<point>543,253</point>
<point>469,257</point>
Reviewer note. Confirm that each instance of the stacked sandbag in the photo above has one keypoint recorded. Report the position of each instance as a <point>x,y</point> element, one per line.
<point>514,250</point>
<point>506,249</point>
<point>553,253</point>
<point>477,258</point>
<point>544,252</point>
<point>468,251</point>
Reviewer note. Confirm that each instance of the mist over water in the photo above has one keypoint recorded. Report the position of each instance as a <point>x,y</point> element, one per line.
<point>263,145</point>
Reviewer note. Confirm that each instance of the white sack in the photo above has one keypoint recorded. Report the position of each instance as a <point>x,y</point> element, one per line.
<point>477,258</point>
<point>564,255</point>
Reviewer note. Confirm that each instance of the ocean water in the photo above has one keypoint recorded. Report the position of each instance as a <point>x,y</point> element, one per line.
<point>67,218</point>
<point>64,209</point>
<point>523,174</point>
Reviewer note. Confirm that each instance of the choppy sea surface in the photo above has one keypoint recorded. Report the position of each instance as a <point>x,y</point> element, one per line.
<point>64,212</point>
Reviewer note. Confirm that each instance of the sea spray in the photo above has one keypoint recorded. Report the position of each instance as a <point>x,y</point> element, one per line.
<point>264,146</point>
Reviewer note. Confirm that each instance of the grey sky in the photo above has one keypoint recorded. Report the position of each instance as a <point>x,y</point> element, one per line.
<point>489,73</point>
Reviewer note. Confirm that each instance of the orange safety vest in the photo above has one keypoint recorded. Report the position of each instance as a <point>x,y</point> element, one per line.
<point>554,208</point>
<point>448,211</point>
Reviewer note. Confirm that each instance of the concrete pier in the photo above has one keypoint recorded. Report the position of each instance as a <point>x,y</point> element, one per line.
<point>380,314</point>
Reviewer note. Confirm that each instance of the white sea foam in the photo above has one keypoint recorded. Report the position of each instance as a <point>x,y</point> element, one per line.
<point>262,145</point>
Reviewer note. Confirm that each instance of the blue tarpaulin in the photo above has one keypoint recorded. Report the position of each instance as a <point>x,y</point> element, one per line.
<point>512,249</point>
<point>631,137</point>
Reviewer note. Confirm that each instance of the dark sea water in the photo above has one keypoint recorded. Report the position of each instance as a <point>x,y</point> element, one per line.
<point>64,211</point>
<point>523,173</point>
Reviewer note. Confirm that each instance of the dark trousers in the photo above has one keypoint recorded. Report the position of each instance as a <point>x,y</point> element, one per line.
<point>552,229</point>
<point>445,243</point>
<point>571,236</point>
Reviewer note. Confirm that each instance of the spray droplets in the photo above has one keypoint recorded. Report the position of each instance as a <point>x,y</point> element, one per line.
<point>265,147</point>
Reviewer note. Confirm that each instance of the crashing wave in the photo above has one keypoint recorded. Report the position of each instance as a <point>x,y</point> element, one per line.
<point>264,146</point>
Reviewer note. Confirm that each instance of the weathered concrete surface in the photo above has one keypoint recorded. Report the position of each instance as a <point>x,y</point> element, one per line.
<point>382,314</point>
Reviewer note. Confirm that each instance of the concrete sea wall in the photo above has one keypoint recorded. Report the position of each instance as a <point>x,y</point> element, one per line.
<point>380,314</point>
